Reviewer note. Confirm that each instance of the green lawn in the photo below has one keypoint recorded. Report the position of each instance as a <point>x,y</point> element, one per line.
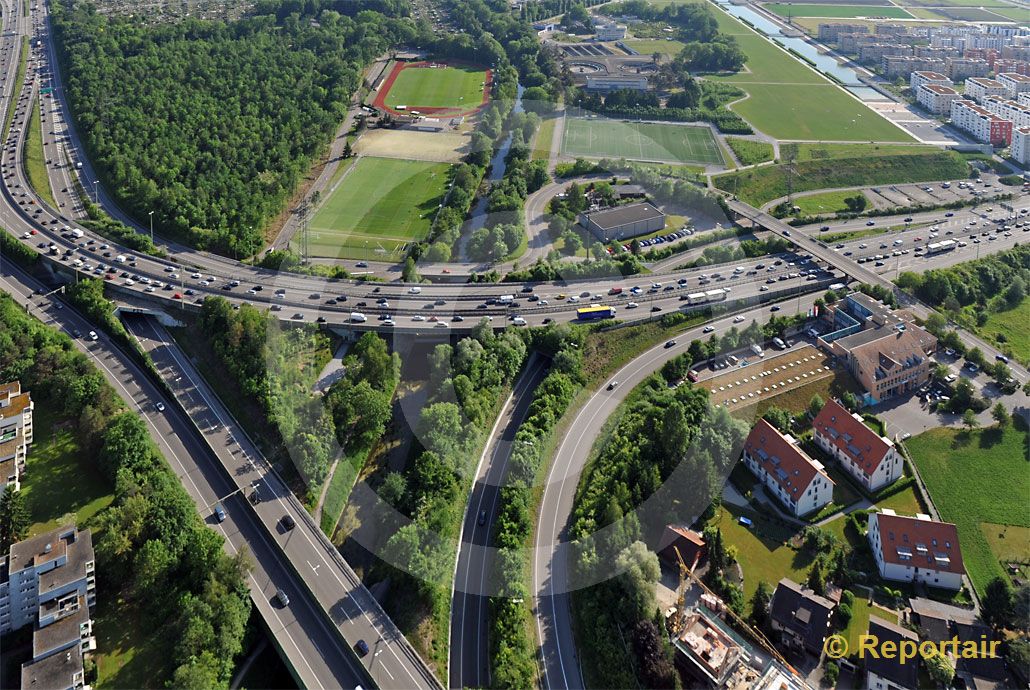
<point>837,11</point>
<point>650,46</point>
<point>852,235</point>
<point>822,203</point>
<point>1016,14</point>
<point>759,185</point>
<point>1011,325</point>
<point>128,654</point>
<point>544,137</point>
<point>61,484</point>
<point>861,611</point>
<point>905,502</point>
<point>339,490</point>
<point>789,100</point>
<point>972,479</point>
<point>749,151</point>
<point>647,141</point>
<point>761,549</point>
<point>437,87</point>
<point>35,158</point>
<point>383,202</point>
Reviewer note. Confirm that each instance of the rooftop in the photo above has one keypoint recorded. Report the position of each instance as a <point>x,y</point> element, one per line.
<point>40,549</point>
<point>780,457</point>
<point>919,542</point>
<point>848,433</point>
<point>80,551</point>
<point>54,672</point>
<point>62,632</point>
<point>1015,76</point>
<point>937,88</point>
<point>802,611</point>
<point>930,75</point>
<point>900,674</point>
<point>620,215</point>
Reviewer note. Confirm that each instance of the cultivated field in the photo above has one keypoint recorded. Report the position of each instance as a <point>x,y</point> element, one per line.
<point>437,87</point>
<point>378,207</point>
<point>442,147</point>
<point>645,141</point>
<point>837,11</point>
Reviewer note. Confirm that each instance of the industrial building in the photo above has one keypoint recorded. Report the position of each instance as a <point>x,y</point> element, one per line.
<point>623,222</point>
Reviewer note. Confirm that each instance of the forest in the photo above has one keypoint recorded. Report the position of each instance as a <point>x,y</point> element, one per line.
<point>152,547</point>
<point>211,125</point>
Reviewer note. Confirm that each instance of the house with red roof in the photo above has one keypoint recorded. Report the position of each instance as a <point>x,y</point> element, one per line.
<point>871,459</point>
<point>796,480</point>
<point>916,549</point>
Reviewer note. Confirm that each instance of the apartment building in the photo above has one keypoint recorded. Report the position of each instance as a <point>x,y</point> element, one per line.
<point>788,473</point>
<point>871,459</point>
<point>873,53</point>
<point>979,88</point>
<point>1023,98</point>
<point>936,98</point>
<point>981,124</point>
<point>48,582</point>
<point>895,66</point>
<point>15,433</point>
<point>928,77</point>
<point>1008,109</point>
<point>962,68</point>
<point>1021,145</point>
<point>1014,82</point>
<point>1011,66</point>
<point>916,549</point>
<point>828,33</point>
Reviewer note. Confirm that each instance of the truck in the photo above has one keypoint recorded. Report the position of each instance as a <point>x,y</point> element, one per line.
<point>506,299</point>
<point>940,247</point>
<point>358,317</point>
<point>120,258</point>
<point>77,234</point>
<point>615,291</point>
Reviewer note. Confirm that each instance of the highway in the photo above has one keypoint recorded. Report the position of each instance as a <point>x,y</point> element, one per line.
<point>317,654</point>
<point>474,577</point>
<point>337,590</point>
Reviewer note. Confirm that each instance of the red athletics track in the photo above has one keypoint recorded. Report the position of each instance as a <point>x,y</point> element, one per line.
<point>380,100</point>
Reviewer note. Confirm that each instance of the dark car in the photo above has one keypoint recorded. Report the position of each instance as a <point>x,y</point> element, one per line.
<point>670,343</point>
<point>361,648</point>
<point>775,307</point>
<point>482,518</point>
<point>288,522</point>
<point>1002,358</point>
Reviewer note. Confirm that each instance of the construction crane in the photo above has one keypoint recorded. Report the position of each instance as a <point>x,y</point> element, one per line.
<point>685,573</point>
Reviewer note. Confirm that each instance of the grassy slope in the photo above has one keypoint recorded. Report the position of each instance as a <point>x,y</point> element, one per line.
<point>449,87</point>
<point>750,152</point>
<point>975,478</point>
<point>544,137</point>
<point>18,79</point>
<point>827,202</point>
<point>1012,324</point>
<point>35,158</point>
<point>759,185</point>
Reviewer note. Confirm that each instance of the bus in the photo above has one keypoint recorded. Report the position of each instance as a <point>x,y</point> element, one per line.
<point>940,247</point>
<point>595,312</point>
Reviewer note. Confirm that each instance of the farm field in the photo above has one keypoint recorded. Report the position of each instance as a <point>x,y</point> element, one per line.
<point>646,141</point>
<point>837,11</point>
<point>1011,325</point>
<point>788,100</point>
<point>382,204</point>
<point>437,87</point>
<point>961,472</point>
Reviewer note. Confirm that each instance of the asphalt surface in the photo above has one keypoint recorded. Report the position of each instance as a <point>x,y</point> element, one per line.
<point>474,575</point>
<point>317,654</point>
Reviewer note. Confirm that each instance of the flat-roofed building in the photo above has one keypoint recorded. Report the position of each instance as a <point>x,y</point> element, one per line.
<point>916,549</point>
<point>936,98</point>
<point>981,124</point>
<point>1014,82</point>
<point>16,408</point>
<point>1008,109</point>
<point>788,473</point>
<point>1021,145</point>
<point>623,222</point>
<point>871,459</point>
<point>616,82</point>
<point>56,672</point>
<point>979,88</point>
<point>610,31</point>
<point>928,77</point>
<point>962,68</point>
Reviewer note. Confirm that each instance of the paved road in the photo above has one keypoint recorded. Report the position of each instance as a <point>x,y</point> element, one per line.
<point>337,590</point>
<point>474,577</point>
<point>317,654</point>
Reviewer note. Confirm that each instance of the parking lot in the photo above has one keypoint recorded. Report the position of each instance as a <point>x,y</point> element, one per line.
<point>766,377</point>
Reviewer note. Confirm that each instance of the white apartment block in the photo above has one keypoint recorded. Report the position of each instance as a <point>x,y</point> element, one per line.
<point>15,433</point>
<point>796,480</point>
<point>926,77</point>
<point>1008,110</point>
<point>936,98</point>
<point>979,88</point>
<point>980,123</point>
<point>871,459</point>
<point>1021,145</point>
<point>916,549</point>
<point>610,32</point>
<point>1023,98</point>
<point>1015,83</point>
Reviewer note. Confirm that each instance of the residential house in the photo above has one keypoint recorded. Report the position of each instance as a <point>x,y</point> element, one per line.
<point>802,617</point>
<point>796,480</point>
<point>873,460</point>
<point>885,672</point>
<point>916,549</point>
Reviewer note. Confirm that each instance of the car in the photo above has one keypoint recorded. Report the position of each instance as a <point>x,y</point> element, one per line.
<point>482,518</point>
<point>949,214</point>
<point>457,318</point>
<point>870,223</point>
<point>93,335</point>
<point>775,307</point>
<point>632,305</point>
<point>738,318</point>
<point>708,329</point>
<point>298,316</point>
<point>670,343</point>
<point>824,228</point>
<point>361,648</point>
<point>950,352</point>
<point>362,264</point>
<point>1002,358</point>
<point>613,385</point>
<point>288,522</point>
<point>219,512</point>
<point>656,308</point>
<point>160,406</point>
<point>282,597</point>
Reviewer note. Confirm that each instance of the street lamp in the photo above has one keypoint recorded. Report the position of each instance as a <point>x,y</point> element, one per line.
<point>151,214</point>
<point>96,194</point>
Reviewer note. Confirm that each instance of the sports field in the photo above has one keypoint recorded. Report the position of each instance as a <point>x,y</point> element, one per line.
<point>643,141</point>
<point>837,11</point>
<point>380,205</point>
<point>437,87</point>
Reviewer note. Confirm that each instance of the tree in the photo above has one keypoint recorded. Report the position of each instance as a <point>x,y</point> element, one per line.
<point>654,666</point>
<point>969,420</point>
<point>410,272</point>
<point>14,518</point>
<point>815,405</point>
<point>393,489</point>
<point>779,418</point>
<point>996,610</point>
<point>347,150</point>
<point>1000,415</point>
<point>760,603</point>
<point>940,669</point>
<point>816,582</point>
<point>1015,292</point>
<point>844,614</point>
<point>639,573</point>
<point>856,204</point>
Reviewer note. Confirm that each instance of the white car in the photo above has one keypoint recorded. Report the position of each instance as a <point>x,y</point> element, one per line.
<point>738,318</point>
<point>632,305</point>
<point>764,288</point>
<point>708,329</point>
<point>196,276</point>
<point>418,317</point>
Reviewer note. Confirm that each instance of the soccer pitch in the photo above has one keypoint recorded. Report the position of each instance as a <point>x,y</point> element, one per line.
<point>642,141</point>
<point>380,206</point>
<point>437,87</point>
